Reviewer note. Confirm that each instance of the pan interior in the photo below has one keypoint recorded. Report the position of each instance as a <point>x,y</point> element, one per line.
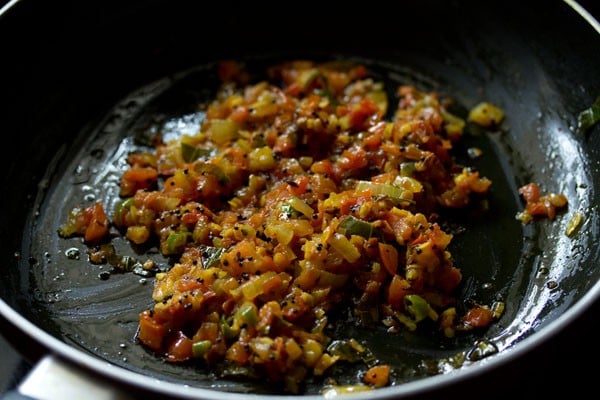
<point>538,271</point>
<point>501,259</point>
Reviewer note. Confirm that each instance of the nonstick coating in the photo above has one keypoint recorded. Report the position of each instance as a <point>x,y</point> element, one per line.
<point>107,71</point>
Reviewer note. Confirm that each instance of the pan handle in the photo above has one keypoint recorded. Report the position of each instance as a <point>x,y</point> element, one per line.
<point>54,379</point>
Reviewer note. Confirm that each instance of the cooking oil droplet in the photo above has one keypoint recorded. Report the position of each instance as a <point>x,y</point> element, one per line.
<point>552,285</point>
<point>49,297</point>
<point>57,296</point>
<point>89,197</point>
<point>487,285</point>
<point>81,174</point>
<point>73,253</point>
<point>474,152</point>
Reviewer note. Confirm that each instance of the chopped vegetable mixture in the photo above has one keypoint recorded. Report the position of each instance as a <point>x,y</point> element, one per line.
<point>299,195</point>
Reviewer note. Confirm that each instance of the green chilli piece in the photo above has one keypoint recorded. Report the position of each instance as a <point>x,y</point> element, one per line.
<point>176,241</point>
<point>249,314</point>
<point>229,328</point>
<point>199,349</point>
<point>191,153</point>
<point>419,308</point>
<point>355,226</point>
<point>121,207</point>
<point>212,169</point>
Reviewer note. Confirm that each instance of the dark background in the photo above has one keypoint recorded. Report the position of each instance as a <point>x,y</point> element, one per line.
<point>550,368</point>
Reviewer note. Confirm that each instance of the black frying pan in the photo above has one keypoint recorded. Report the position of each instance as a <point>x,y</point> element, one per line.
<point>103,71</point>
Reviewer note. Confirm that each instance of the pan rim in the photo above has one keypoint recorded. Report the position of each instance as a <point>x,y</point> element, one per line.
<point>420,386</point>
<point>585,14</point>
